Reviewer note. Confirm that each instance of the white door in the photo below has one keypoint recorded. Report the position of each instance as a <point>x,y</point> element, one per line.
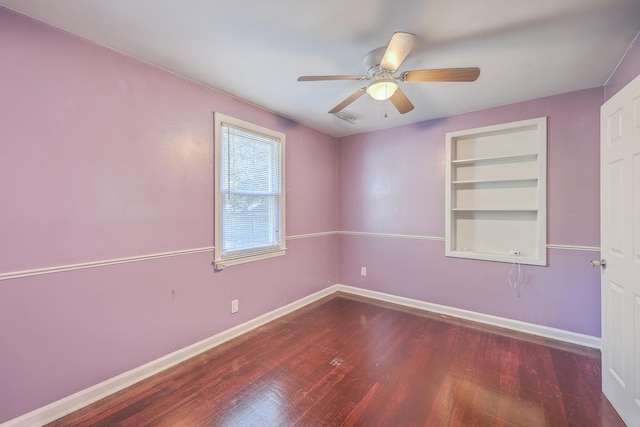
<point>620,249</point>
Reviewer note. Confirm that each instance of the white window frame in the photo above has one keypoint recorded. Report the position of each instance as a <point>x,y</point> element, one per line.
<point>240,257</point>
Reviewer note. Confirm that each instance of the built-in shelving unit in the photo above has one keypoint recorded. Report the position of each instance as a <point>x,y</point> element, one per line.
<point>496,192</point>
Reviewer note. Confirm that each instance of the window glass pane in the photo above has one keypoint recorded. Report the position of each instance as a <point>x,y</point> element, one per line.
<point>249,222</point>
<point>250,191</point>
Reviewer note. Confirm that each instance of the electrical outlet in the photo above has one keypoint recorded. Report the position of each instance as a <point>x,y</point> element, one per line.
<point>234,306</point>
<point>363,271</point>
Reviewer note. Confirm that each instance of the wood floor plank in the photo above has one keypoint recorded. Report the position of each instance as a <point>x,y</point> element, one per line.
<point>348,361</point>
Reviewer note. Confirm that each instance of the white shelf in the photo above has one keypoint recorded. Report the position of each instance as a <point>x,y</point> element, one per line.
<point>492,210</point>
<point>493,256</point>
<point>517,158</point>
<point>495,181</point>
<point>496,192</point>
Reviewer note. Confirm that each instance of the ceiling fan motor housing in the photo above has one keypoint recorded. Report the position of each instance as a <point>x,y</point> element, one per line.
<point>372,62</point>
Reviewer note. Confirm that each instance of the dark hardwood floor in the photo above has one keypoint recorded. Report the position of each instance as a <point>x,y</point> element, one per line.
<point>347,361</point>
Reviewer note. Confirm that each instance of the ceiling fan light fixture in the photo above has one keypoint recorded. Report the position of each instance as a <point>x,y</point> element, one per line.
<point>382,89</point>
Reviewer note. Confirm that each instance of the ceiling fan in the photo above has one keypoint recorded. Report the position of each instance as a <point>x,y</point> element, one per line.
<point>381,63</point>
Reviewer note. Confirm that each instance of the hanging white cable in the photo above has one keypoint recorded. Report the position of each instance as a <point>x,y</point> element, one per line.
<point>517,267</point>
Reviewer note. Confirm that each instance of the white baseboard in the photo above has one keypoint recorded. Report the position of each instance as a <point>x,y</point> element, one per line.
<point>67,405</point>
<point>516,325</point>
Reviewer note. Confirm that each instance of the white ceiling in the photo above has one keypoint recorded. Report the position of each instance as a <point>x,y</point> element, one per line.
<point>255,50</point>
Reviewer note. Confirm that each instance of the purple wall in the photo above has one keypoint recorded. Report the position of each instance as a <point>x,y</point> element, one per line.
<point>106,157</point>
<point>393,182</point>
<point>628,69</point>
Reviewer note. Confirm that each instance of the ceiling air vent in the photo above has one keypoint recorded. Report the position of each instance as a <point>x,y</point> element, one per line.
<point>346,116</point>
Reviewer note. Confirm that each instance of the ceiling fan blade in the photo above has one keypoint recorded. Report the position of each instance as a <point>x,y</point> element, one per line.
<point>320,78</point>
<point>401,102</point>
<point>441,75</point>
<point>399,47</point>
<point>349,100</point>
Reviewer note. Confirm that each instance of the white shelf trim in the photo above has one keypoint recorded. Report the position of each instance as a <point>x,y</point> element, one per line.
<point>493,210</point>
<point>495,153</point>
<point>495,181</point>
<point>519,157</point>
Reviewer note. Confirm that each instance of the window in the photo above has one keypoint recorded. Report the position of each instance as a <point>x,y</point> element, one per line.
<point>249,192</point>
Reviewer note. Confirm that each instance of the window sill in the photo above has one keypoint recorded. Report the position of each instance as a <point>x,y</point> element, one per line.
<point>221,264</point>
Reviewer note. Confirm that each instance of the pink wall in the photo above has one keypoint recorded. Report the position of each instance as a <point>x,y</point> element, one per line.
<point>106,157</point>
<point>627,70</point>
<point>393,182</point>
